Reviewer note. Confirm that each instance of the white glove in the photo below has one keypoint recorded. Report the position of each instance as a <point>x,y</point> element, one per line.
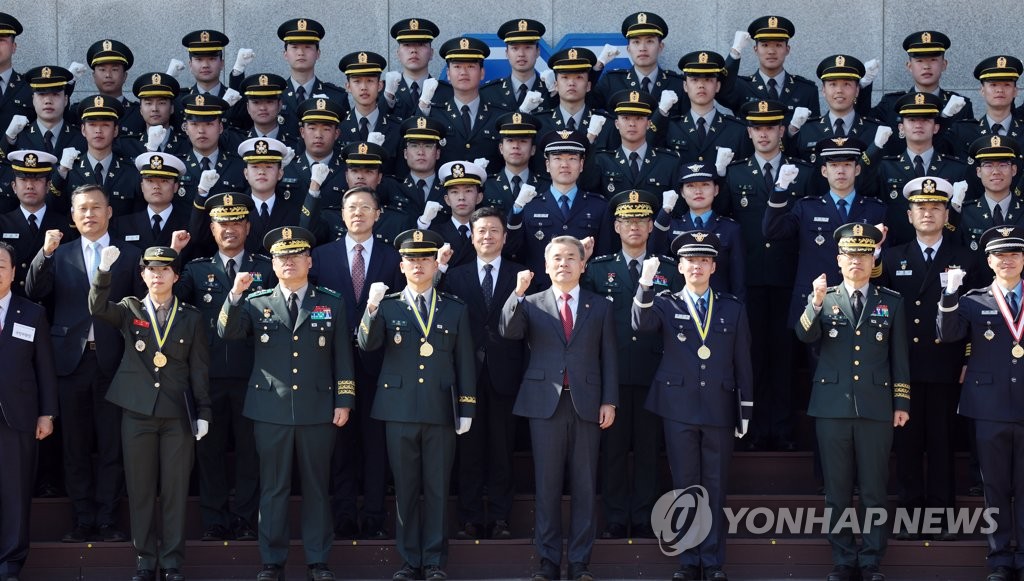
<point>871,69</point>
<point>596,124</point>
<point>954,278</point>
<point>608,54</point>
<point>742,431</point>
<point>882,135</point>
<point>955,104</point>
<point>78,69</point>
<point>548,78</point>
<point>464,424</point>
<point>208,179</point>
<point>377,292</point>
<point>108,256</point>
<point>68,157</point>
<point>648,270</point>
<point>175,67</point>
<point>157,134</point>
<point>319,172</point>
<point>741,41</point>
<point>244,59</point>
<point>482,162</point>
<point>289,155</point>
<point>375,137</point>
<point>959,193</point>
<point>526,193</point>
<point>427,92</point>
<point>202,426</point>
<point>722,160</point>
<point>669,199</point>
<point>531,101</point>
<point>668,98</point>
<point>429,213</point>
<point>787,173</point>
<point>17,124</point>
<point>391,80</point>
<point>800,115</point>
<point>232,96</point>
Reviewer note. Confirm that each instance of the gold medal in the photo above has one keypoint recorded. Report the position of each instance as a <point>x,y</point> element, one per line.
<point>426,350</point>
<point>398,338</point>
<point>140,345</point>
<point>1017,351</point>
<point>264,338</point>
<point>323,341</point>
<point>704,352</point>
<point>160,359</point>
<point>989,334</point>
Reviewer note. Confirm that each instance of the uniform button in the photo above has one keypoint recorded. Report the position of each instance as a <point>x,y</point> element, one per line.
<point>917,321</point>
<point>937,341</point>
<point>157,385</point>
<point>703,383</point>
<point>295,388</point>
<point>422,340</point>
<point>1013,380</point>
<point>295,337</point>
<point>467,146</point>
<point>703,366</point>
<point>856,362</point>
<point>856,347</point>
<point>21,282</point>
<point>295,370</point>
<point>767,244</point>
<point>634,337</point>
<point>296,354</point>
<point>565,226</point>
<point>918,303</point>
<point>422,366</point>
<point>856,378</point>
<point>857,332</point>
<point>916,340</point>
<point>421,380</point>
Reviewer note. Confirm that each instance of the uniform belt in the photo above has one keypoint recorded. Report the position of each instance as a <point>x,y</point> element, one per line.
<point>90,345</point>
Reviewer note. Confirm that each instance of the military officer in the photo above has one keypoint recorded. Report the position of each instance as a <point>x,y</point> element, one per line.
<point>110,61</point>
<point>205,283</point>
<point>153,226</point>
<point>163,387</point>
<point>363,83</point>
<point>264,103</point>
<point>919,123</point>
<point>522,48</point>
<point>17,96</point>
<point>629,498</point>
<point>318,129</point>
<point>861,391</point>
<point>363,163</point>
<point>645,34</point>
<point>995,160</point>
<point>301,389</point>
<point>703,387</point>
<point>517,132</point>
<point>421,149</point>
<point>52,129</point>
<point>156,93</point>
<point>210,167</point>
<point>463,183</point>
<point>426,395</point>
<point>573,112</point>
<point>206,63</point>
<point>404,89</point>
<point>301,38</point>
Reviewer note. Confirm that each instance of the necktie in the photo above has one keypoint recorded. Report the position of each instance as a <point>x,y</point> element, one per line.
<point>156,226</point>
<point>358,270</point>
<point>467,121</point>
<point>364,129</point>
<point>422,185</point>
<point>161,315</point>
<point>646,85</point>
<point>204,164</point>
<point>634,163</point>
<point>33,226</point>
<point>421,306</point>
<point>571,124</point>
<point>488,285</point>
<point>99,173</point>
<point>773,89</point>
<point>293,308</point>
<point>563,203</point>
<point>464,232</point>
<point>997,215</point>
<point>928,252</point>
<point>567,329</point>
<point>702,129</point>
<point>517,184</point>
<point>997,128</point>
<point>918,166</point>
<point>841,204</point>
<point>698,223</point>
<point>634,271</point>
<point>300,94</point>
<point>702,310</point>
<point>769,179</point>
<point>840,131</point>
<point>48,141</point>
<point>94,263</point>
<point>231,270</point>
<point>857,305</point>
<point>521,94</point>
<point>1011,299</point>
<point>264,211</point>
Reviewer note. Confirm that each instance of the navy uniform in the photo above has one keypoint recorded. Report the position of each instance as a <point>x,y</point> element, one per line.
<point>861,389</point>
<point>426,394</point>
<point>352,126</point>
<point>163,388</point>
<point>574,60</point>
<point>989,317</point>
<point>148,227</point>
<point>300,391</point>
<point>155,86</point>
<point>703,389</point>
<point>517,130</point>
<point>266,87</point>
<point>202,109</point>
<point>405,102</point>
<point>685,134</point>
<point>979,216</point>
<point>508,92</point>
<point>810,219</point>
<point>637,25</point>
<point>894,172</point>
<point>454,232</point>
<point>794,91</point>
<point>628,499</point>
<point>17,96</point>
<point>205,283</point>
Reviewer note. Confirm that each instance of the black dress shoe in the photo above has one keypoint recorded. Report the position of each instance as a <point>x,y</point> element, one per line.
<point>406,573</point>
<point>79,534</point>
<point>580,572</point>
<point>144,575</point>
<point>548,571</point>
<point>871,573</point>
<point>346,530</point>
<point>320,572</point>
<point>686,574</point>
<point>715,574</point>
<point>172,575</point>
<point>434,573</point>
<point>109,534</point>
<point>1000,574</point>
<point>840,573</point>
<point>469,531</point>
<point>243,531</point>
<point>614,531</point>
<point>271,572</point>
<point>500,530</point>
<point>642,531</point>
<point>215,533</point>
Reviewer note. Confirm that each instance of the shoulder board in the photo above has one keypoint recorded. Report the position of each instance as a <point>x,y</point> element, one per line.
<point>798,162</point>
<point>452,297</point>
<point>894,95</point>
<point>726,296</point>
<point>671,73</point>
<point>801,79</point>
<point>330,85</point>
<point>722,218</point>
<point>730,119</point>
<point>329,292</point>
<point>665,293</point>
<point>492,83</point>
<point>834,289</point>
<point>870,200</point>
<point>888,291</point>
<point>261,258</point>
<point>443,83</point>
<point>867,119</point>
<point>205,259</point>
<point>665,259</point>
<point>602,258</point>
<point>814,120</point>
<point>619,71</point>
<point>189,307</point>
<point>891,157</point>
<point>738,162</point>
<point>261,293</point>
<point>665,151</point>
<point>977,291</point>
<point>395,296</point>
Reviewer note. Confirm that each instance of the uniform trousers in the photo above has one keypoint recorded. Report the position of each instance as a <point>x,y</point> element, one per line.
<point>18,457</point>
<point>227,397</point>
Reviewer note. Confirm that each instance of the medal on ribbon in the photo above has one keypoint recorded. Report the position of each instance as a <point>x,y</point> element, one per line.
<point>426,349</point>
<point>704,352</point>
<point>1016,327</point>
<point>161,333</point>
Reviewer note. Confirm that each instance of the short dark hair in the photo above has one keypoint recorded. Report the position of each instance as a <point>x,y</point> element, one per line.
<point>10,251</point>
<point>361,190</point>
<point>487,212</point>
<point>88,189</point>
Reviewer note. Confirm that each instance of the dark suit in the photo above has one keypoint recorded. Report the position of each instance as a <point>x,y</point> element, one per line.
<point>421,398</point>
<point>564,425</point>
<point>84,371</point>
<point>485,452</point>
<point>862,377</point>
<point>296,385</point>
<point>137,228</point>
<point>155,425</point>
<point>29,390</point>
<point>701,401</point>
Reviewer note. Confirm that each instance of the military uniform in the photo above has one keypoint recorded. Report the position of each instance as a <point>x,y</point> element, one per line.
<point>612,172</point>
<point>17,97</point>
<point>893,174</point>
<point>731,271</point>
<point>504,92</point>
<point>976,217</point>
<point>500,193</point>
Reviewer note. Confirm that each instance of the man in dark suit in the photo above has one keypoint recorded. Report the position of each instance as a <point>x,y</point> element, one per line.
<point>463,183</point>
<point>517,131</point>
<point>426,395</point>
<point>861,391</point>
<point>28,404</point>
<point>17,97</point>
<point>153,226</point>
<point>703,386</point>
<point>87,355</point>
<point>485,454</point>
<point>302,387</point>
<point>569,394</point>
<point>349,266</point>
<point>522,48</point>
<point>166,347</point>
<point>403,90</point>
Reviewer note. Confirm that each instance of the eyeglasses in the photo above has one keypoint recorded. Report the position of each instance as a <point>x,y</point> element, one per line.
<point>995,164</point>
<point>421,145</point>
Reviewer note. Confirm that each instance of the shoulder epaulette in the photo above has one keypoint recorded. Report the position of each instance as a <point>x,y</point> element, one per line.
<point>666,259</point>
<point>397,295</point>
<point>602,258</point>
<point>800,79</point>
<point>727,296</point>
<point>329,292</point>
<point>491,83</point>
<point>261,258</point>
<point>888,291</point>
<point>261,293</point>
<point>977,291</point>
<point>894,94</point>
<point>666,151</point>
<point>618,71</point>
<point>722,218</point>
<point>665,293</point>
<point>891,157</point>
<point>671,73</point>
<point>188,306</point>
<point>452,297</point>
<point>206,259</point>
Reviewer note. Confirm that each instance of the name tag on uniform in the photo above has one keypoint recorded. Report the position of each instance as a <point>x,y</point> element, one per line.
<point>23,332</point>
<point>540,215</point>
<point>12,235</point>
<point>990,312</point>
<point>904,272</point>
<point>821,218</point>
<point>131,238</point>
<point>682,316</point>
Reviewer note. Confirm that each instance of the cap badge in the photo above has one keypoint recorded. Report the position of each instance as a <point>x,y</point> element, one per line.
<point>156,79</point>
<point>30,160</point>
<point>229,200</point>
<point>463,43</point>
<point>634,197</point>
<point>996,141</point>
<point>97,101</point>
<point>572,53</point>
<point>200,100</point>
<point>363,148</point>
<point>264,81</point>
<point>362,58</point>
<point>634,97</point>
<point>919,99</point>
<point>762,106</point>
<point>302,24</point>
<point>694,168</point>
<point>858,230</point>
<point>107,45</point>
<point>421,122</point>
<point>773,22</point>
<point>1005,231</point>
<point>926,37</point>
<point>414,24</point>
<point>523,26</point>
<point>286,234</point>
<point>699,236</point>
<point>840,61</point>
<point>839,141</point>
<point>564,134</point>
<point>928,187</point>
<point>46,72</point>
<point>702,58</point>
<point>641,18</point>
<point>321,104</point>
<point>156,162</point>
<point>204,36</point>
<point>262,147</point>
<point>417,236</point>
<point>458,171</point>
<point>517,118</point>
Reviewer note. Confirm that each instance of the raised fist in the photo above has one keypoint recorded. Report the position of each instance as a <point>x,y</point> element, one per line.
<point>668,99</point>
<point>800,115</point>
<point>51,240</point>
<point>787,173</point>
<point>523,280</point>
<point>175,67</point>
<point>108,256</point>
<point>818,289</point>
<point>155,137</point>
<point>531,101</point>
<point>391,80</point>
<point>376,293</point>
<point>232,96</point>
<point>722,160</point>
<point>608,54</point>
<point>243,59</point>
<point>17,124</point>
<point>207,180</point>
<point>242,282</point>
<point>669,199</point>
<point>526,193</point>
<point>78,69</point>
<point>741,41</point>
<point>648,270</point>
